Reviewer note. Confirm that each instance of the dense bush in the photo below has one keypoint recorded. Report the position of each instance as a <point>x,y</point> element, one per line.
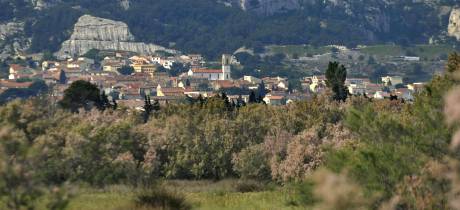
<point>159,198</point>
<point>201,141</point>
<point>252,163</point>
<point>245,186</point>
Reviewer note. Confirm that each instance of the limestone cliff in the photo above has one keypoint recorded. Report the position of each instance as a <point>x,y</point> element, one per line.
<point>454,24</point>
<point>103,34</point>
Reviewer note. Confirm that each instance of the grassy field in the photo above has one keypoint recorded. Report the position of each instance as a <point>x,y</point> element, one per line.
<point>300,50</point>
<point>429,52</point>
<point>204,195</point>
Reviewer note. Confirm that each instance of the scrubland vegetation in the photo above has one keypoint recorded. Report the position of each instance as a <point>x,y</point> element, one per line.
<point>319,154</point>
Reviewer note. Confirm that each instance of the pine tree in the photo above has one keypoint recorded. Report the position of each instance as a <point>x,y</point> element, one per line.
<point>81,94</point>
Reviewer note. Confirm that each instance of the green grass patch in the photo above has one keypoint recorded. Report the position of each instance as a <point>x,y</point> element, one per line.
<point>300,50</point>
<point>202,195</point>
<point>426,52</point>
<point>429,52</point>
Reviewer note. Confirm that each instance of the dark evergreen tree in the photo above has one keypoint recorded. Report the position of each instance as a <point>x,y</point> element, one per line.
<point>81,94</point>
<point>453,62</point>
<point>260,100</point>
<point>290,88</point>
<point>187,83</point>
<point>240,101</point>
<point>228,105</point>
<point>262,91</point>
<point>200,100</point>
<point>62,78</point>
<point>148,108</point>
<point>252,97</point>
<point>126,70</point>
<point>156,105</point>
<point>336,75</point>
<point>115,104</point>
<point>105,103</point>
<point>393,97</point>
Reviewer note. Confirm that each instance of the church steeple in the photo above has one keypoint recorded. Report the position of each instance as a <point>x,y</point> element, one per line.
<point>226,67</point>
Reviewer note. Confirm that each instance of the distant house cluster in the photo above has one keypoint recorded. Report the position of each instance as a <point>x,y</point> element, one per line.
<point>151,76</point>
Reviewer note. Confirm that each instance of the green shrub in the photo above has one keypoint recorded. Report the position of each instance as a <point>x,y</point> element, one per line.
<point>245,186</point>
<point>302,194</point>
<point>159,198</point>
<point>252,163</point>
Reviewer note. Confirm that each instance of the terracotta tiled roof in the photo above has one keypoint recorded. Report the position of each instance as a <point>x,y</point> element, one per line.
<point>16,67</point>
<point>225,83</point>
<point>131,103</point>
<point>208,71</point>
<point>189,89</point>
<point>275,97</point>
<point>172,90</point>
<point>13,84</point>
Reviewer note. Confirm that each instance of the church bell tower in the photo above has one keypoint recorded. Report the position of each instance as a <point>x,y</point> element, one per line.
<point>226,67</point>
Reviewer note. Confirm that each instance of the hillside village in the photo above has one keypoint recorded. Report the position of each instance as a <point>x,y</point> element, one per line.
<point>151,75</point>
<point>229,104</point>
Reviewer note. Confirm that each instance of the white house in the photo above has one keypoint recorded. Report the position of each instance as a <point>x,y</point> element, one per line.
<point>317,83</point>
<point>393,80</point>
<point>251,79</point>
<point>356,89</point>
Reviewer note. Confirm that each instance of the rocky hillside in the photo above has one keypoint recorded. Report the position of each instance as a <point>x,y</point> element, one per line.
<point>103,34</point>
<point>212,27</point>
<point>454,24</point>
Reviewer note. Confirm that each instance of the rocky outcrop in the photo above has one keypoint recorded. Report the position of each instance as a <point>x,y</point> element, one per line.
<point>104,34</point>
<point>12,38</point>
<point>125,4</point>
<point>10,29</point>
<point>454,24</point>
<point>42,4</point>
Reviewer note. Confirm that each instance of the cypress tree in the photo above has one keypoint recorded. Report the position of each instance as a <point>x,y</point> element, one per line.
<point>147,108</point>
<point>115,104</point>
<point>62,78</point>
<point>261,89</point>
<point>336,75</point>
<point>252,97</point>
<point>104,101</point>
